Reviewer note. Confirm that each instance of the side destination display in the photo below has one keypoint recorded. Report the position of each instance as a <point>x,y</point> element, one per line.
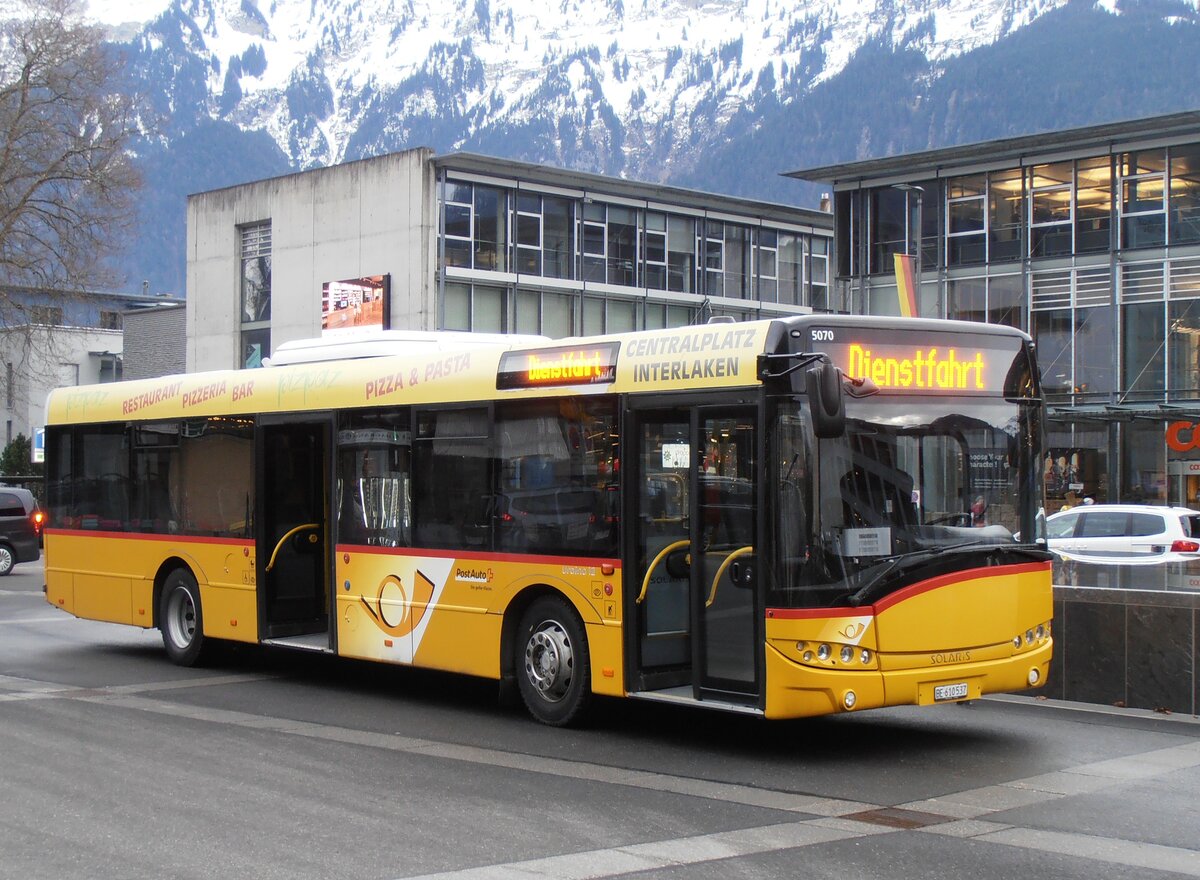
<point>592,364</point>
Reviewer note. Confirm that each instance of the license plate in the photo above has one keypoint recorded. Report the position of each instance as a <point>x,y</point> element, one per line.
<point>949,692</point>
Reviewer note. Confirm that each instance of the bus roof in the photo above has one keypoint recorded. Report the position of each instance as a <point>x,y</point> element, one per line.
<point>710,356</point>
<point>695,357</point>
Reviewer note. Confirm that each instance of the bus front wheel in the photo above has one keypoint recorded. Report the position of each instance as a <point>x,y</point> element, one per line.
<point>180,618</point>
<point>553,667</point>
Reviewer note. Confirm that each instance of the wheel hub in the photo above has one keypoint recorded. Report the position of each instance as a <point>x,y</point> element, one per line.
<point>181,618</point>
<point>549,662</point>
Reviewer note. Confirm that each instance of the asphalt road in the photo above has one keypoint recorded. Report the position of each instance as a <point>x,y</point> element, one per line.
<point>116,764</point>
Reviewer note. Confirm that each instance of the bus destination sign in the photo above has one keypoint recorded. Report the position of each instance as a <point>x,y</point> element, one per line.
<point>594,364</point>
<point>913,363</point>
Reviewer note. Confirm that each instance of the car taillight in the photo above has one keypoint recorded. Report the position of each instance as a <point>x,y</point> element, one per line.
<point>38,517</point>
<point>1185,547</point>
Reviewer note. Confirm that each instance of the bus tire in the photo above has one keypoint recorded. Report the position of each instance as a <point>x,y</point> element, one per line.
<point>552,663</point>
<point>180,618</point>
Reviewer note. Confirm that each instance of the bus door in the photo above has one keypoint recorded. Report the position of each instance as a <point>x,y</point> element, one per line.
<point>695,591</point>
<point>292,531</point>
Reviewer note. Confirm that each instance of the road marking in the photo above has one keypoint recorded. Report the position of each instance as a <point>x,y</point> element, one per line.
<point>57,619</point>
<point>656,855</point>
<point>30,689</point>
<point>825,820</point>
<point>1134,854</point>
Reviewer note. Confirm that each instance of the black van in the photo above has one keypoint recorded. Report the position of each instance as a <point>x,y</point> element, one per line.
<point>20,528</point>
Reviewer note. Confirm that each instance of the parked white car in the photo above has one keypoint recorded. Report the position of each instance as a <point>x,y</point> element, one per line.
<point>1125,533</point>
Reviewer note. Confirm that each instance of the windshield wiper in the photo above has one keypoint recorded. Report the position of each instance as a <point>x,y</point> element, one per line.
<point>865,594</point>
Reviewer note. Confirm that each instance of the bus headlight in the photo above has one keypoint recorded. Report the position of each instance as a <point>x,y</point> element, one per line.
<point>823,652</point>
<point>849,699</point>
<point>847,654</point>
<point>1034,676</point>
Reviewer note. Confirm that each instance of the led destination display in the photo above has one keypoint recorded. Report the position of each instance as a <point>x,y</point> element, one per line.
<point>921,363</point>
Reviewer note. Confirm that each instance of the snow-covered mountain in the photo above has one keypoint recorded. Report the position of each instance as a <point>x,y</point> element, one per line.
<point>681,91</point>
<point>630,86</point>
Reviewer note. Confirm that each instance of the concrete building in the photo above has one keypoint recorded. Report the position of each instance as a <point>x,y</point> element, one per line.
<point>414,241</point>
<point>55,339</point>
<point>1089,239</point>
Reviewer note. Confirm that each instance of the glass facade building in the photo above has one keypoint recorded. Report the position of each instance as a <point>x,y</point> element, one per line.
<point>1087,239</point>
<point>531,249</point>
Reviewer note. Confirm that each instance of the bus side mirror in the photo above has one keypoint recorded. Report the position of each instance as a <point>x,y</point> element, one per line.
<point>826,401</point>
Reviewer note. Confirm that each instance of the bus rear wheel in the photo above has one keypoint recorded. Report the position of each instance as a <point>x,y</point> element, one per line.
<point>552,663</point>
<point>181,619</point>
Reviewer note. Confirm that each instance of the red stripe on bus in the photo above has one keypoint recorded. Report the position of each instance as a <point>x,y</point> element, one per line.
<point>152,536</point>
<point>581,561</point>
<point>907,592</point>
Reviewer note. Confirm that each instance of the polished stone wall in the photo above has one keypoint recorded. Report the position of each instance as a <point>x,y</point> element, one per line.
<point>1138,648</point>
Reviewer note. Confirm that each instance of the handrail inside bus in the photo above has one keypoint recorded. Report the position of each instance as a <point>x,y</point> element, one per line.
<point>670,548</point>
<point>712,594</point>
<point>288,534</point>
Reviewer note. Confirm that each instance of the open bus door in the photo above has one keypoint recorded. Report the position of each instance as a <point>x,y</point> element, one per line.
<point>292,531</point>
<point>694,591</point>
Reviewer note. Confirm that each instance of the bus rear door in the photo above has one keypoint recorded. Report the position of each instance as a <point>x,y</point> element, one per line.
<point>292,531</point>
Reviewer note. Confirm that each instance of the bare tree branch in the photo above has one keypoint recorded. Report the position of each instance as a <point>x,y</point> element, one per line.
<point>67,182</point>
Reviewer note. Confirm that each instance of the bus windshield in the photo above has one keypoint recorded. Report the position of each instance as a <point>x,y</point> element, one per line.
<point>911,483</point>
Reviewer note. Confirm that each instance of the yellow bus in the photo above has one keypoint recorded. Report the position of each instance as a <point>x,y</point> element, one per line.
<point>787,518</point>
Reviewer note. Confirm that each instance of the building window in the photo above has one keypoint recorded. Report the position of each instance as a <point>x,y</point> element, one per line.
<point>655,249</point>
<point>681,254</point>
<point>966,232</point>
<point>889,232</point>
<point>1093,204</point>
<point>595,249</point>
<point>1006,215</point>
<point>110,320</point>
<point>529,234</point>
<point>1185,194</point>
<point>1144,365</point>
<point>474,307</point>
<point>255,293</point>
<point>1183,347</point>
<point>49,316</point>
<point>558,237</point>
<point>1095,367</point>
<point>1006,301</point>
<point>819,274</point>
<point>491,229</point>
<point>256,273</point>
<point>966,299</point>
<point>768,265</point>
<point>1050,214</point>
<point>457,215</point>
<point>560,314</point>
<point>738,273</point>
<point>110,368</point>
<point>713,247</point>
<point>1143,199</point>
<point>622,246</point>
<point>994,300</point>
